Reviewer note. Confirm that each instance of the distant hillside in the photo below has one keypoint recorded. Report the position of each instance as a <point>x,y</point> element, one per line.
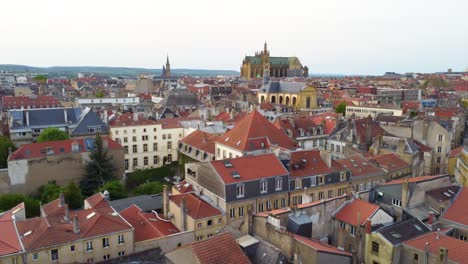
<point>109,71</point>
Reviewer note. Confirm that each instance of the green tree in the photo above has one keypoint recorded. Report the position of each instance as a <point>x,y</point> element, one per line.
<point>5,144</point>
<point>149,188</point>
<point>42,79</point>
<point>49,192</point>
<point>341,108</point>
<point>99,94</point>
<point>52,134</point>
<point>73,196</point>
<point>116,189</point>
<point>99,169</point>
<point>8,201</point>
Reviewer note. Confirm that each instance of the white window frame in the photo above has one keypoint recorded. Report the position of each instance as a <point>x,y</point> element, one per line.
<point>240,190</point>
<point>263,186</point>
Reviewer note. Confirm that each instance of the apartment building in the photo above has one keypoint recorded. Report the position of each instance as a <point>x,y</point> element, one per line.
<point>373,111</point>
<point>147,143</point>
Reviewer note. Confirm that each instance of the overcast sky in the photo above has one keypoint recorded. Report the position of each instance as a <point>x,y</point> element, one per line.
<point>347,36</point>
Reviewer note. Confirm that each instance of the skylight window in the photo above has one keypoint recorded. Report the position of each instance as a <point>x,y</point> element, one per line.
<point>27,233</point>
<point>90,215</point>
<point>226,139</point>
<point>238,143</point>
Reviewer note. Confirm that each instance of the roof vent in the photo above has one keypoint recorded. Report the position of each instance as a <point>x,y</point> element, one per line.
<point>90,215</point>
<point>235,175</point>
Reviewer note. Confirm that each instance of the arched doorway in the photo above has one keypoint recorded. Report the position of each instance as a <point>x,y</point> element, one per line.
<point>294,101</point>
<point>262,99</point>
<point>287,100</point>
<point>273,99</point>
<point>281,99</point>
<point>308,102</point>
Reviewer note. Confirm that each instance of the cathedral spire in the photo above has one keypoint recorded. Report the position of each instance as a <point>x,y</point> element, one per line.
<point>168,67</point>
<point>265,47</point>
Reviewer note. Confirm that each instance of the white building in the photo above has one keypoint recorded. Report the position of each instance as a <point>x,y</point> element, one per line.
<point>365,111</point>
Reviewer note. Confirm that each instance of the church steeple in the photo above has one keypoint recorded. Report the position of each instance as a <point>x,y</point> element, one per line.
<point>265,50</point>
<point>168,67</point>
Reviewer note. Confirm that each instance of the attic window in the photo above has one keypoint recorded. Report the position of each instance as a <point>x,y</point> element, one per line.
<point>235,174</point>
<point>227,164</point>
<point>90,215</point>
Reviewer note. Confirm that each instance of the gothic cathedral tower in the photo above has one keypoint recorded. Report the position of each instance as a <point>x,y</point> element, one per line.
<point>168,67</point>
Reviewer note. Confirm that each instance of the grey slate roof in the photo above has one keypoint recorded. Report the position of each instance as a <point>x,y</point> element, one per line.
<point>180,97</point>
<point>145,202</point>
<point>403,231</point>
<point>285,87</point>
<point>89,119</point>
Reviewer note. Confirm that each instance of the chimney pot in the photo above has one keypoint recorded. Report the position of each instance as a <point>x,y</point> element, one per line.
<point>76,227</point>
<point>368,226</point>
<point>106,195</point>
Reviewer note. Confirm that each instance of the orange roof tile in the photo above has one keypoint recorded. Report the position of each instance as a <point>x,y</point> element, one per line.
<point>390,162</point>
<point>309,162</point>
<point>415,179</point>
<point>221,248</point>
<point>201,140</point>
<point>127,119</point>
<point>458,210</point>
<point>147,225</point>
<point>457,249</point>
<point>318,246</point>
<point>360,166</point>
<point>9,240</point>
<point>253,126</point>
<point>354,210</point>
<point>250,168</point>
<point>196,207</point>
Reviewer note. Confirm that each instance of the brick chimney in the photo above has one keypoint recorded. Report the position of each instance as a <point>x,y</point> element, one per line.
<point>368,226</point>
<point>76,227</point>
<point>183,215</point>
<point>431,218</point>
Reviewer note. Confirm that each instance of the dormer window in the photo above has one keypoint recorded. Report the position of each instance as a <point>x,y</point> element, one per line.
<point>240,190</point>
<point>301,132</point>
<point>263,186</point>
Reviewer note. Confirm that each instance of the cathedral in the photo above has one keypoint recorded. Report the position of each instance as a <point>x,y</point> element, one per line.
<point>255,66</point>
<point>166,70</point>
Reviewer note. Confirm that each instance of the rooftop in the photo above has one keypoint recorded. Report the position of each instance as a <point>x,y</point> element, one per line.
<point>356,212</point>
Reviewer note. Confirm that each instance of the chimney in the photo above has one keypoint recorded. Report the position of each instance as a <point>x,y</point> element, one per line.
<point>368,226</point>
<point>431,219</point>
<point>401,145</point>
<point>135,116</point>
<point>438,234</point>
<point>67,213</point>
<point>27,118</point>
<point>76,227</point>
<point>326,157</point>
<point>426,253</point>
<point>165,202</point>
<point>106,195</point>
<point>62,199</point>
<point>443,255</point>
<point>105,117</point>
<point>404,193</point>
<point>183,215</point>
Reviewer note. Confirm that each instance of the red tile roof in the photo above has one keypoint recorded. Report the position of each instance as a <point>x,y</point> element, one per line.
<point>360,166</point>
<point>250,168</point>
<point>47,231</point>
<point>309,162</point>
<point>318,246</point>
<point>254,125</point>
<point>415,179</point>
<point>390,162</point>
<point>9,240</point>
<point>184,187</point>
<point>367,129</point>
<point>457,249</point>
<point>458,210</point>
<point>201,140</point>
<point>18,102</point>
<point>147,226</point>
<point>128,119</point>
<point>456,151</point>
<point>356,209</point>
<point>196,207</point>
<point>221,248</point>
<point>423,147</point>
<point>35,150</point>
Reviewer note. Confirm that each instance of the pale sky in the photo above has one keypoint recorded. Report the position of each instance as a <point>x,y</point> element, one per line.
<point>329,36</point>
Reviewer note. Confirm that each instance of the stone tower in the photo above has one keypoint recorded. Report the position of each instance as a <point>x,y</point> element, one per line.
<point>168,68</point>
